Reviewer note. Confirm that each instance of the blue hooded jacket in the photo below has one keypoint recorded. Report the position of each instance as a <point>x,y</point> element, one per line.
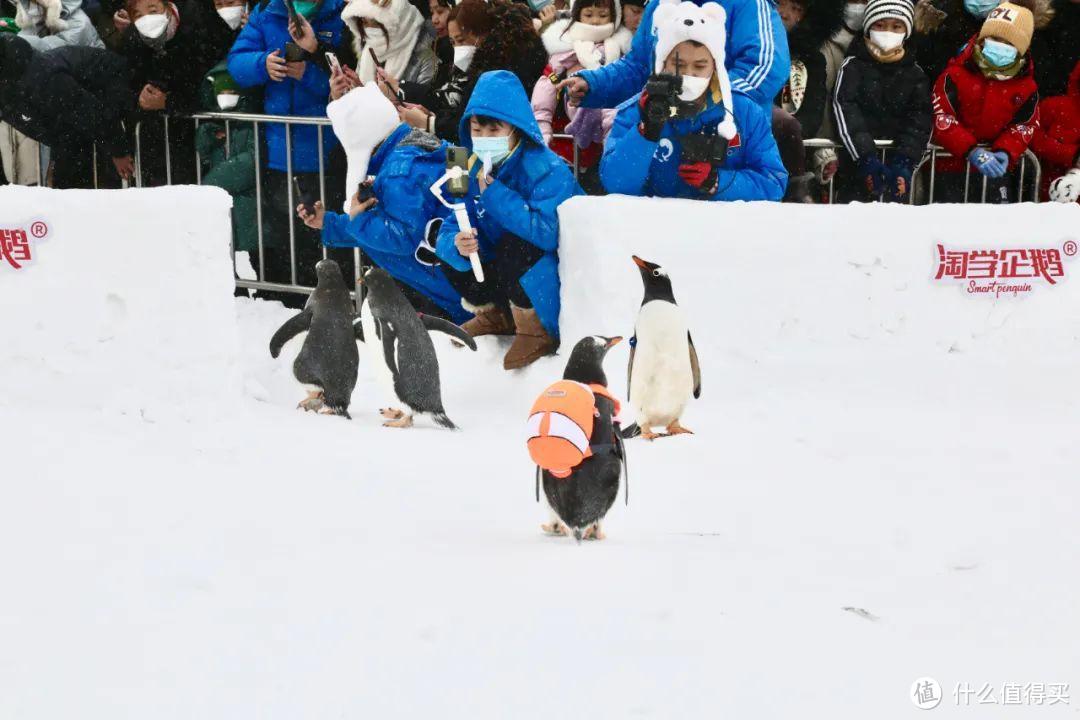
<point>268,30</point>
<point>756,56</point>
<point>529,185</point>
<point>405,166</point>
<point>632,165</point>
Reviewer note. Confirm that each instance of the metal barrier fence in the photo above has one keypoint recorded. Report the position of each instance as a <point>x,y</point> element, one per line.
<point>259,121</point>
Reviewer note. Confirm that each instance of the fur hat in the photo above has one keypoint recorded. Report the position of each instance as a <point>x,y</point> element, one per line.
<point>403,23</point>
<point>676,22</point>
<point>362,118</point>
<point>1012,22</point>
<point>902,10</point>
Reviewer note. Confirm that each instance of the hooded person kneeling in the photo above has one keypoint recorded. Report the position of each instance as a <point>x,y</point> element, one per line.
<point>516,184</point>
<point>389,222</point>
<point>717,145</point>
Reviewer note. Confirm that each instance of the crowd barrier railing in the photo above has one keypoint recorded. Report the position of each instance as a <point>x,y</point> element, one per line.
<point>917,195</point>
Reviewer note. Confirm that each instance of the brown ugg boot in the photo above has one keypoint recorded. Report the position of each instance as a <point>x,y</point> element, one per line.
<point>531,341</point>
<point>490,320</point>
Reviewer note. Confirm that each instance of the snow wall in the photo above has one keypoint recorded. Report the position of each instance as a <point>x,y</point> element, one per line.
<point>836,283</point>
<point>126,303</point>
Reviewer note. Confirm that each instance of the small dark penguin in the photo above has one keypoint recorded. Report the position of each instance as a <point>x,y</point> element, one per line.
<point>664,369</point>
<point>328,360</point>
<point>580,500</point>
<point>401,352</point>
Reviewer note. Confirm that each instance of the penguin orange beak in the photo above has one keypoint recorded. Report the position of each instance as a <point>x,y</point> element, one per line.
<point>612,342</point>
<point>640,263</point>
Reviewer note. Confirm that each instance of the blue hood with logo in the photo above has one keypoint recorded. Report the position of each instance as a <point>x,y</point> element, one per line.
<point>529,185</point>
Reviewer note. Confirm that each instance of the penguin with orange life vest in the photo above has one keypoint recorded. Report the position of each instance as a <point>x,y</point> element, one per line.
<point>575,441</point>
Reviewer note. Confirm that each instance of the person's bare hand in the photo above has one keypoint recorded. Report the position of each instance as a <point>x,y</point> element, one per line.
<point>576,87</point>
<point>339,84</point>
<point>356,207</point>
<point>151,98</point>
<point>121,20</point>
<point>125,166</point>
<point>415,115</point>
<point>312,220</point>
<point>275,66</point>
<point>466,242</point>
<point>303,35</point>
<point>547,16</point>
<point>295,70</point>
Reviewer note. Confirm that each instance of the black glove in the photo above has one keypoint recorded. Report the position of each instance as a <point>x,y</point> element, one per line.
<point>654,115</point>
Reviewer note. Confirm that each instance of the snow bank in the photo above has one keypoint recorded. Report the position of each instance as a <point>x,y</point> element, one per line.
<point>126,305</point>
<point>848,281</point>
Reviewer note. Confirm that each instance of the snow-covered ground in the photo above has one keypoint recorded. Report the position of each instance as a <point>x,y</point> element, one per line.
<point>881,487</point>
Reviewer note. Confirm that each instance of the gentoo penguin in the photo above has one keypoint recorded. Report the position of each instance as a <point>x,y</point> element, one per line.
<point>581,500</point>
<point>401,352</point>
<point>664,367</point>
<point>328,360</point>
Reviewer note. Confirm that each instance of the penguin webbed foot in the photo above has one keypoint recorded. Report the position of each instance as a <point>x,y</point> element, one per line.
<point>391,413</point>
<point>313,402</point>
<point>676,429</point>
<point>593,532</point>
<point>334,410</point>
<point>554,528</point>
<point>401,421</point>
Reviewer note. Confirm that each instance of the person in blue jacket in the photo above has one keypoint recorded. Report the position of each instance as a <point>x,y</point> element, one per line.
<point>298,88</point>
<point>756,52</point>
<point>391,225</point>
<point>516,185</point>
<point>734,156</point>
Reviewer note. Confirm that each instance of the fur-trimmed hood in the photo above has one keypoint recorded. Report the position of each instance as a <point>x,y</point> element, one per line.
<point>930,18</point>
<point>56,13</point>
<point>558,43</point>
<point>822,20</point>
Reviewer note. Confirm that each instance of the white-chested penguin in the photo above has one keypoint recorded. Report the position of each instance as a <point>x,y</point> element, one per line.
<point>664,369</point>
<point>328,360</point>
<point>580,501</point>
<point>402,355</point>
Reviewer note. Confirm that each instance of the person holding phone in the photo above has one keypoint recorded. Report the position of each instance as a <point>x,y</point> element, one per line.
<point>282,50</point>
<point>393,42</point>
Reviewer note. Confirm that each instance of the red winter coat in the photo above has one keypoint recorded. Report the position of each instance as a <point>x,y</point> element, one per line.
<point>1057,139</point>
<point>971,109</point>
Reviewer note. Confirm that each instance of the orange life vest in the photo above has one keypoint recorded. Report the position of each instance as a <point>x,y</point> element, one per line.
<point>561,424</point>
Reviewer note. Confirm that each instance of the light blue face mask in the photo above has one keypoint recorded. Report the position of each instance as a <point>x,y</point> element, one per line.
<point>492,149</point>
<point>307,8</point>
<point>998,54</point>
<point>980,8</point>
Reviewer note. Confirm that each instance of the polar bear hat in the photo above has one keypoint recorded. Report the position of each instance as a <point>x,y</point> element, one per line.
<point>677,21</point>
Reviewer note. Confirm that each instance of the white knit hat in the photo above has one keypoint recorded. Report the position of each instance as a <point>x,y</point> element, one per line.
<point>362,118</point>
<point>901,10</point>
<point>675,22</point>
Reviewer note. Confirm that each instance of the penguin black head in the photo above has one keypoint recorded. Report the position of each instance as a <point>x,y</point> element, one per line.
<point>586,363</point>
<point>329,274</point>
<point>656,280</point>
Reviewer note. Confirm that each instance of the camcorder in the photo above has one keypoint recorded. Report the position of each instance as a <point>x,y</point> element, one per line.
<point>698,147</point>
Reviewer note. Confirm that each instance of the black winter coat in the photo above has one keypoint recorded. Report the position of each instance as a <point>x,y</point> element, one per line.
<point>822,19</point>
<point>1056,50</point>
<point>882,101</point>
<point>66,97</point>
<point>200,43</point>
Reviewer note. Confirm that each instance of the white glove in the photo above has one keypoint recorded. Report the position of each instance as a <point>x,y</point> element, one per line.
<point>1066,189</point>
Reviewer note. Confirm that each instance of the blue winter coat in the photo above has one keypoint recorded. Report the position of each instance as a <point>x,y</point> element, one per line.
<point>268,30</point>
<point>632,165</point>
<point>756,56</point>
<point>529,186</point>
<point>405,167</point>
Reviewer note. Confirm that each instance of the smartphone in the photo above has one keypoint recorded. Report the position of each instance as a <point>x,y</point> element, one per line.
<point>333,62</point>
<point>458,157</point>
<point>303,198</point>
<point>294,17</point>
<point>366,191</point>
<point>294,53</point>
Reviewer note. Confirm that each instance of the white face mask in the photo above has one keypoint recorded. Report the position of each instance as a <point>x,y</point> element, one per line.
<point>463,55</point>
<point>693,87</point>
<point>375,39</point>
<point>887,41</point>
<point>152,26</point>
<point>227,101</point>
<point>232,16</point>
<point>853,15</point>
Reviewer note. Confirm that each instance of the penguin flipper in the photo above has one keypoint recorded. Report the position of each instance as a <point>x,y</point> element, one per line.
<point>437,324</point>
<point>630,366</point>
<point>293,326</point>
<point>695,366</point>
<point>358,328</point>
<point>389,342</point>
